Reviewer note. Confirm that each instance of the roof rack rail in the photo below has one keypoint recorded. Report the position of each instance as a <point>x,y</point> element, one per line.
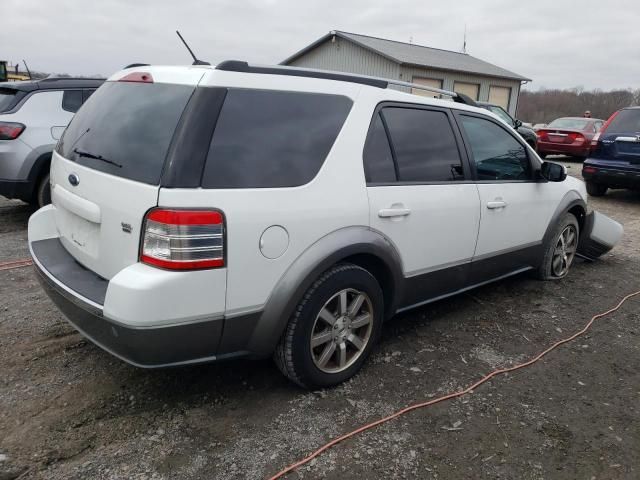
<point>379,82</point>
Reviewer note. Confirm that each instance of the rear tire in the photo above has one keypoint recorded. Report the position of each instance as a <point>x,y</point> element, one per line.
<point>43,192</point>
<point>596,189</point>
<point>560,250</point>
<point>333,329</point>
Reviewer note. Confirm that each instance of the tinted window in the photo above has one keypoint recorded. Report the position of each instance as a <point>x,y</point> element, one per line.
<point>272,139</point>
<point>626,121</point>
<point>497,154</point>
<point>86,94</point>
<point>9,98</point>
<point>128,124</point>
<point>424,145</point>
<point>72,100</point>
<point>378,162</point>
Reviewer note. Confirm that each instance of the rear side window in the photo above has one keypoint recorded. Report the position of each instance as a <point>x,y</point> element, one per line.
<point>496,153</point>
<point>378,160</point>
<point>72,100</point>
<point>424,145</point>
<point>9,98</point>
<point>129,126</point>
<point>626,121</point>
<point>272,139</point>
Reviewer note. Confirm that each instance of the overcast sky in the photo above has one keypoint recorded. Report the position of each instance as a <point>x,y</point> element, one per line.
<point>557,43</point>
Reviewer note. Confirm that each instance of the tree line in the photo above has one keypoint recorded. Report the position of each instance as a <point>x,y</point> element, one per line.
<point>544,106</point>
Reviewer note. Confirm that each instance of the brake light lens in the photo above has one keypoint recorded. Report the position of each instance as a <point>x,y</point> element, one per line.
<point>10,130</point>
<point>542,134</point>
<point>138,77</point>
<point>576,137</point>
<point>183,239</point>
<point>589,170</point>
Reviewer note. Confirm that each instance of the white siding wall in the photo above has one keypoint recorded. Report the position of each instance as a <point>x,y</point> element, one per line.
<point>344,56</point>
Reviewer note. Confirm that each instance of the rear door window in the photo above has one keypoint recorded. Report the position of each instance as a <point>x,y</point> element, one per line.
<point>378,159</point>
<point>129,126</point>
<point>9,98</point>
<point>424,145</point>
<point>72,100</point>
<point>269,139</point>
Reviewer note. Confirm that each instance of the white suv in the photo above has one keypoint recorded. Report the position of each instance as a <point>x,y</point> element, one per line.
<point>205,213</point>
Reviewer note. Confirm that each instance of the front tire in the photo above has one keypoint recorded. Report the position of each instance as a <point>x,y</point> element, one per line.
<point>333,329</point>
<point>596,189</point>
<point>560,250</point>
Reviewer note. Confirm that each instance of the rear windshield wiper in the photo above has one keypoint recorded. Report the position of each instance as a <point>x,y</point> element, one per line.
<point>82,153</point>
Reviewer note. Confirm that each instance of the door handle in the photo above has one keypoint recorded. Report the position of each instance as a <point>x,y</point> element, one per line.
<point>496,204</point>
<point>394,212</point>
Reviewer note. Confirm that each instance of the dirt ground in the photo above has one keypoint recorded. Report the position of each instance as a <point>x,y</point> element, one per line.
<point>70,410</point>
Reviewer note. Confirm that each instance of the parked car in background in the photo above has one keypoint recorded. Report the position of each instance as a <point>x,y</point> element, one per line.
<point>525,132</point>
<point>33,116</point>
<point>614,161</point>
<point>568,136</point>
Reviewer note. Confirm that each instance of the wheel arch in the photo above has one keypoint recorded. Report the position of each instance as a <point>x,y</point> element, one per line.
<point>572,203</point>
<point>361,246</point>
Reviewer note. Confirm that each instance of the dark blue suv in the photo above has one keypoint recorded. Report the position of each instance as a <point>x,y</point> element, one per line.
<point>614,161</point>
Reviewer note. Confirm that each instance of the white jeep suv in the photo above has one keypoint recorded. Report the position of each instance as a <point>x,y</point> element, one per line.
<point>205,213</point>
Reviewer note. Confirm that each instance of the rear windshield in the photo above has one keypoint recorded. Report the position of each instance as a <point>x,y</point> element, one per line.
<point>9,98</point>
<point>569,123</point>
<point>266,139</point>
<point>626,121</point>
<point>128,126</point>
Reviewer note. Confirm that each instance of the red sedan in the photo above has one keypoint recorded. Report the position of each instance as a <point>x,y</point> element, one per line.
<point>568,136</point>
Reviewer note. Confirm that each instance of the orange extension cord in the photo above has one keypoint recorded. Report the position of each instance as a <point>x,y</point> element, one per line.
<point>25,262</point>
<point>449,396</point>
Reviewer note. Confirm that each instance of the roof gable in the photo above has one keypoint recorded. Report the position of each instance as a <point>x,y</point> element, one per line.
<point>418,55</point>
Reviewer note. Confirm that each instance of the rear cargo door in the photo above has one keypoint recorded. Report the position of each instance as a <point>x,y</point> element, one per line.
<point>620,141</point>
<point>106,170</point>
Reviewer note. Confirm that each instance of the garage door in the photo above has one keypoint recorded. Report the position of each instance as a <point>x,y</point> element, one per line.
<point>468,89</point>
<point>500,96</point>
<point>427,82</point>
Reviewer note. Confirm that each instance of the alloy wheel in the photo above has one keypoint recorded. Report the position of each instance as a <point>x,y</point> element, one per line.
<point>564,251</point>
<point>342,330</point>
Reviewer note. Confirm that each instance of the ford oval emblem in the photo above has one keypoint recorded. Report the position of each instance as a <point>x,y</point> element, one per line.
<point>74,179</point>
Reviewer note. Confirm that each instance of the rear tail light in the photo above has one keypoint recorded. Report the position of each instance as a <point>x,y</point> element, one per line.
<point>10,131</point>
<point>183,239</point>
<point>576,137</point>
<point>589,170</point>
<point>542,134</point>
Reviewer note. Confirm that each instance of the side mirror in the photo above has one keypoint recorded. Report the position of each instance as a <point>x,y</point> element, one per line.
<point>553,172</point>
<point>516,123</point>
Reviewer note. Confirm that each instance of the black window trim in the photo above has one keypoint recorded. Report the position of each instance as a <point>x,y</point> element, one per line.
<point>535,166</point>
<point>462,152</point>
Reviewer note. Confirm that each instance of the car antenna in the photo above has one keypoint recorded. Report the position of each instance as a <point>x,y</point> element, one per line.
<point>195,60</point>
<point>27,68</point>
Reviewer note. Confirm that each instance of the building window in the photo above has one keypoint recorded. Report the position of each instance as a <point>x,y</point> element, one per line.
<point>500,96</point>
<point>471,90</point>
<point>427,82</point>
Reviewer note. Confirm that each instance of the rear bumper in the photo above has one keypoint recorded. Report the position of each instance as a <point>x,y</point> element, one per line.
<point>611,176</point>
<point>575,150</point>
<point>83,297</point>
<point>149,347</point>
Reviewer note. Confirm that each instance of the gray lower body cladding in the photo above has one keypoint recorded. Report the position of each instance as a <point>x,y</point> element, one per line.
<point>148,347</point>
